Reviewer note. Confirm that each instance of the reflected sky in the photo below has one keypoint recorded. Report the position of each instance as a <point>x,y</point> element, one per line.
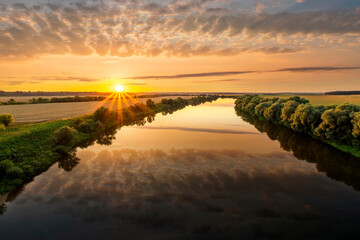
<point>158,183</point>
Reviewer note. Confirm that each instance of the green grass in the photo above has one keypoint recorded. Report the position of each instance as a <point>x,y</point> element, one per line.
<point>349,149</point>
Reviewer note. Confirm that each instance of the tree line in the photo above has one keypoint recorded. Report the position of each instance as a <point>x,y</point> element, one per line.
<point>54,100</point>
<point>335,124</point>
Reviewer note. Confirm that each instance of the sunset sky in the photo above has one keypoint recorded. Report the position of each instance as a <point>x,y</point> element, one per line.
<point>180,45</point>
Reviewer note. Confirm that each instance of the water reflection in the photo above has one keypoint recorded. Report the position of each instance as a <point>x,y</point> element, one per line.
<point>335,163</point>
<point>191,193</point>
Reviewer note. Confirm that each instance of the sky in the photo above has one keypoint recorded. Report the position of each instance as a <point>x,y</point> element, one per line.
<point>180,45</point>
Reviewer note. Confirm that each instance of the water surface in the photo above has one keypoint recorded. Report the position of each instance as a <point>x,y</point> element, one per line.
<point>200,173</point>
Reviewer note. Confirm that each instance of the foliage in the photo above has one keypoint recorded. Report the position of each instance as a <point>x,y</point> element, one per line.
<point>150,103</point>
<point>2,127</point>
<point>6,119</point>
<point>335,124</point>
<point>64,135</point>
<point>102,114</point>
<point>288,110</point>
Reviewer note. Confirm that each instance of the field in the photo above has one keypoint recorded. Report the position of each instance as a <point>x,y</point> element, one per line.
<point>50,111</point>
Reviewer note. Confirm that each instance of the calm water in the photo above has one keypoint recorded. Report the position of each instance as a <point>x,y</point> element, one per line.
<point>200,173</point>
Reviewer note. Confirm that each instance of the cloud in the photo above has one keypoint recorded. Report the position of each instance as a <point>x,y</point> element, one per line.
<point>192,75</point>
<point>205,130</point>
<point>229,73</point>
<point>174,29</point>
<point>277,50</point>
<point>67,78</point>
<point>315,69</point>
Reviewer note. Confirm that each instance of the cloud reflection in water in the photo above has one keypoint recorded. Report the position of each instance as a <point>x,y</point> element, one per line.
<point>192,194</point>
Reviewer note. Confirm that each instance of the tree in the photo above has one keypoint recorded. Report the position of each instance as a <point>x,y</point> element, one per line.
<point>64,135</point>
<point>259,109</point>
<point>273,113</point>
<point>288,110</point>
<point>306,118</point>
<point>356,124</point>
<point>150,103</point>
<point>337,124</point>
<point>6,119</point>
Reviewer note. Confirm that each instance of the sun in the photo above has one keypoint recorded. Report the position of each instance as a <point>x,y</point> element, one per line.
<point>119,88</point>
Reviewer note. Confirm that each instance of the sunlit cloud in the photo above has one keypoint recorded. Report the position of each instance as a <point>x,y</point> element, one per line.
<point>173,29</point>
<point>215,74</point>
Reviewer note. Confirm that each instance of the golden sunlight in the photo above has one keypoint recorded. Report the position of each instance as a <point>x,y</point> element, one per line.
<point>119,88</point>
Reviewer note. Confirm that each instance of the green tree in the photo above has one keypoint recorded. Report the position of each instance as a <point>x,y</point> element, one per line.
<point>288,110</point>
<point>306,118</point>
<point>150,103</point>
<point>273,113</point>
<point>64,136</point>
<point>6,119</point>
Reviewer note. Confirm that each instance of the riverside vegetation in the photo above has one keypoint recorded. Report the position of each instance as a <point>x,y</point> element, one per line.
<point>334,163</point>
<point>337,125</point>
<point>26,150</point>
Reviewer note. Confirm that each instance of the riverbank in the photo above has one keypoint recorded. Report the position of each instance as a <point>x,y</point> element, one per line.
<point>27,150</point>
<point>336,125</point>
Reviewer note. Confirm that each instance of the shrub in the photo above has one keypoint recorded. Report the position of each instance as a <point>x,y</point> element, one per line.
<point>62,150</point>
<point>6,119</point>
<point>288,110</point>
<point>273,113</point>
<point>2,127</point>
<point>64,135</point>
<point>102,114</point>
<point>259,109</point>
<point>356,123</point>
<point>307,117</point>
<point>150,103</point>
<point>6,166</point>
<point>88,126</point>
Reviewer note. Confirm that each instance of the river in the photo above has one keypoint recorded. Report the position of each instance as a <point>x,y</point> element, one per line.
<point>200,173</point>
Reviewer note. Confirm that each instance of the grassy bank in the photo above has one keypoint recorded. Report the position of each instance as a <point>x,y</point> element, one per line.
<point>27,150</point>
<point>337,125</point>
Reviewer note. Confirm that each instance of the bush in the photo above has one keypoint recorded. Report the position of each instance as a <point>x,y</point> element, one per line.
<point>102,114</point>
<point>62,150</point>
<point>356,123</point>
<point>2,127</point>
<point>273,113</point>
<point>150,103</point>
<point>6,119</point>
<point>88,126</point>
<point>6,166</point>
<point>64,135</point>
<point>288,110</point>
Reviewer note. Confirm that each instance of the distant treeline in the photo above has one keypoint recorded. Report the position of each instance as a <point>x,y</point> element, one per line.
<point>79,99</point>
<point>30,149</point>
<point>46,94</point>
<point>338,125</point>
<point>55,100</point>
<point>41,93</point>
<point>343,93</point>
